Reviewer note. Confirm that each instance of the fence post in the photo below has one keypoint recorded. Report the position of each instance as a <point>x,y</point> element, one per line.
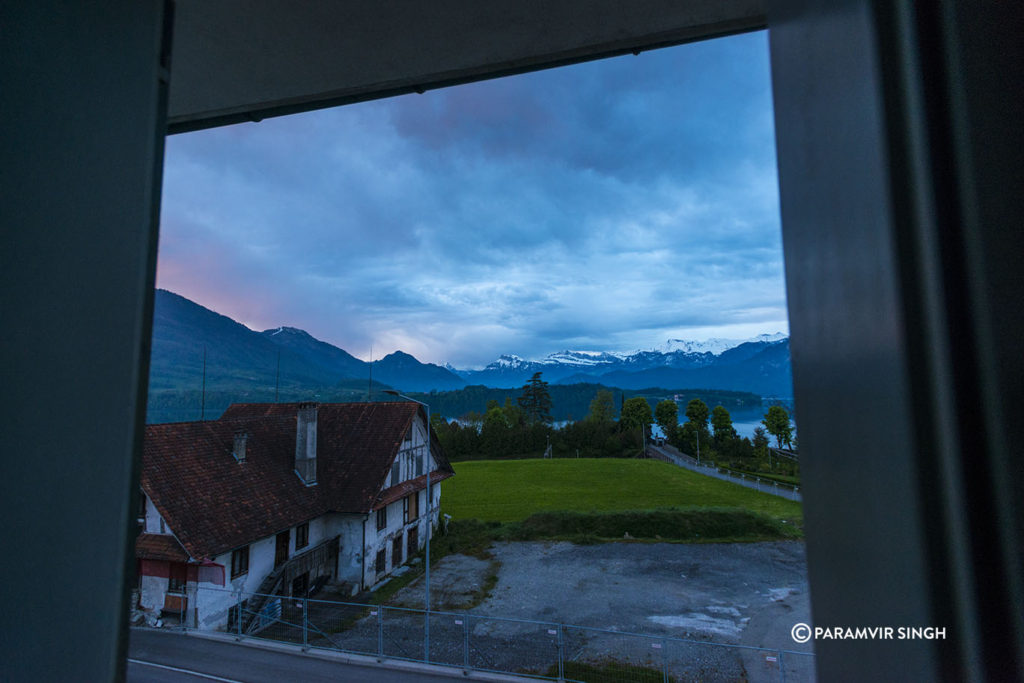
<point>305,623</point>
<point>561,650</point>
<point>380,630</point>
<point>664,660</point>
<point>465,643</point>
<point>782,669</point>
<point>238,610</point>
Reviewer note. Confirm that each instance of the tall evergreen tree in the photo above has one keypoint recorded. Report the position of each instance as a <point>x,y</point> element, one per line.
<point>536,400</point>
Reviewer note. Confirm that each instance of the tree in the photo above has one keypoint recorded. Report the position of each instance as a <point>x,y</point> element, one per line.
<point>536,400</point>
<point>695,430</point>
<point>721,423</point>
<point>666,414</point>
<point>760,442</point>
<point>776,421</point>
<point>697,412</point>
<point>636,412</point>
<point>494,434</point>
<point>602,408</point>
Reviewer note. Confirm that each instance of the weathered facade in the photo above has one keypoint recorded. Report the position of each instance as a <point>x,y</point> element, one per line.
<point>280,499</point>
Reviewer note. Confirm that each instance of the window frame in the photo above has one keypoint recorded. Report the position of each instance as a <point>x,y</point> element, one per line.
<point>301,535</point>
<point>239,562</point>
<point>380,563</point>
<point>382,518</point>
<point>177,578</point>
<point>410,507</point>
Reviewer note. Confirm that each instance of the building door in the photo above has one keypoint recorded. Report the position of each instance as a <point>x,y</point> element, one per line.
<point>281,552</point>
<point>396,551</point>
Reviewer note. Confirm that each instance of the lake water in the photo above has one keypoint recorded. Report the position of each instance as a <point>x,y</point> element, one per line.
<point>744,420</point>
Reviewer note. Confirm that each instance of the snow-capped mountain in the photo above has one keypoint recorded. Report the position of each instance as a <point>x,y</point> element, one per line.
<point>716,345</point>
<point>759,364</point>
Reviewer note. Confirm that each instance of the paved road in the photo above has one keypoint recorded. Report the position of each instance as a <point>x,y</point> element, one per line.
<point>168,657</point>
<point>764,485</point>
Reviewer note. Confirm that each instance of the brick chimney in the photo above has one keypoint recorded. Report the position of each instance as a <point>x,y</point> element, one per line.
<point>239,451</point>
<point>305,442</point>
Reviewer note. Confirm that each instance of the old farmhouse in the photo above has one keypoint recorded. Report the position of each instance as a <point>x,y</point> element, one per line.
<point>278,499</point>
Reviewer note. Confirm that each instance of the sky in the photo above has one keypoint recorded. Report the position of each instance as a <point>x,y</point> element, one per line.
<point>611,205</point>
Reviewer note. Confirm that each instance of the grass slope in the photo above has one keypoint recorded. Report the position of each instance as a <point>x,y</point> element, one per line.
<point>512,490</point>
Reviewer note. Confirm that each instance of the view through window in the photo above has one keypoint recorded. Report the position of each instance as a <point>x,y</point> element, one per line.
<point>578,272</point>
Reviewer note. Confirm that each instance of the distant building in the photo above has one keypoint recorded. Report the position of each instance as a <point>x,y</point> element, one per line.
<point>280,499</point>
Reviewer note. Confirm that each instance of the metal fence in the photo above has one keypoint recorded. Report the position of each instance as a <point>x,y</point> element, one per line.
<point>472,642</point>
<point>764,485</point>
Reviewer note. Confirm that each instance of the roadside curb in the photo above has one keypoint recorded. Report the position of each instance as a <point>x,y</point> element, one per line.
<point>369,661</point>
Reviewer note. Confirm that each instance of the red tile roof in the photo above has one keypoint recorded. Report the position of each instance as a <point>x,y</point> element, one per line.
<point>159,547</point>
<point>214,503</point>
<point>403,489</point>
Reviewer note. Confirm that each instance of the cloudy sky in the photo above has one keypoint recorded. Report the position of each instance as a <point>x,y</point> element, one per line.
<point>610,205</point>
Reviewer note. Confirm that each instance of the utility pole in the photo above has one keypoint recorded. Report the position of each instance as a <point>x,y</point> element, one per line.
<point>277,376</point>
<point>202,404</point>
<point>369,384</point>
<point>430,521</point>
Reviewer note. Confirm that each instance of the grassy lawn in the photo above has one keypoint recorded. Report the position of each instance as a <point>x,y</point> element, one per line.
<point>512,490</point>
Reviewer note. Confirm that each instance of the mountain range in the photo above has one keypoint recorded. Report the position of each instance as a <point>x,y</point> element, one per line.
<point>188,337</point>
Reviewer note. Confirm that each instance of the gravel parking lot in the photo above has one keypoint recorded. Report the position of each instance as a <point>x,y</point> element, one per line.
<point>732,594</point>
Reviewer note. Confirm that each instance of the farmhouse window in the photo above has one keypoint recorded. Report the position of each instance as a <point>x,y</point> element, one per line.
<point>396,551</point>
<point>178,577</point>
<point>302,535</point>
<point>239,562</point>
<point>381,564</point>
<point>411,507</point>
<point>382,518</point>
<point>395,472</point>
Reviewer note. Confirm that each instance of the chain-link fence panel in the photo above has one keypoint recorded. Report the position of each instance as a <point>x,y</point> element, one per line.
<point>797,667</point>
<point>602,656</point>
<point>513,646</point>
<point>343,626</point>
<point>402,633</point>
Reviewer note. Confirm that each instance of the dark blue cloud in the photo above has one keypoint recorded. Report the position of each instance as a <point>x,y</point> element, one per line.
<point>612,204</point>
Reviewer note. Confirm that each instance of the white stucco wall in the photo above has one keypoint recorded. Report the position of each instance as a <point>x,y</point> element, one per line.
<point>152,590</point>
<point>214,601</point>
<point>154,521</point>
<point>382,539</point>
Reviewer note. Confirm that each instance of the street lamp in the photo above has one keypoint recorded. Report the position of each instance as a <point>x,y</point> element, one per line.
<point>430,504</point>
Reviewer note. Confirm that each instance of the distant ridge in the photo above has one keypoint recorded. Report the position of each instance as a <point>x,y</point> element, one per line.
<point>238,358</point>
<point>760,365</point>
<point>242,364</point>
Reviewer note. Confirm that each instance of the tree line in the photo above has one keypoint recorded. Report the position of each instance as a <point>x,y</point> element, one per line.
<point>568,401</point>
<point>523,429</point>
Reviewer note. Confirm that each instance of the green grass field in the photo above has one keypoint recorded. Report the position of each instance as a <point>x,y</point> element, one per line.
<point>512,490</point>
